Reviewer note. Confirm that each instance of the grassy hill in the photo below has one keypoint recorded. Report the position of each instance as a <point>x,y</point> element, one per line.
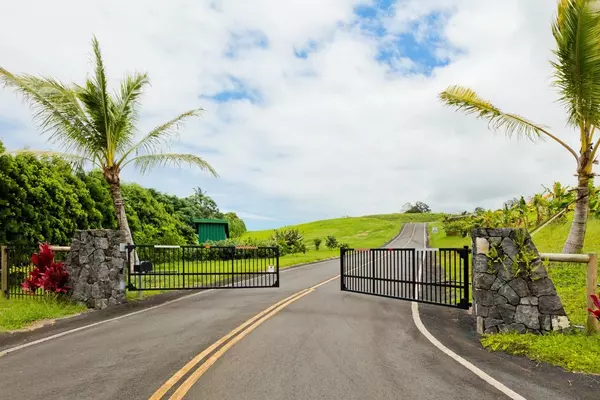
<point>366,231</point>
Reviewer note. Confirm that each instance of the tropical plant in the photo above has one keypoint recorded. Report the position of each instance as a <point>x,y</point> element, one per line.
<point>559,197</point>
<point>289,241</point>
<point>96,127</point>
<point>594,200</point>
<point>317,242</point>
<point>48,275</point>
<point>591,325</point>
<point>539,204</point>
<point>331,242</point>
<point>576,30</point>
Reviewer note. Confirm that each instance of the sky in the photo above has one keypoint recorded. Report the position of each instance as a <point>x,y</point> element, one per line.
<point>313,109</point>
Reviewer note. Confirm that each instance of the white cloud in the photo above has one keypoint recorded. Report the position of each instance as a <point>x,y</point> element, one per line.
<point>335,133</point>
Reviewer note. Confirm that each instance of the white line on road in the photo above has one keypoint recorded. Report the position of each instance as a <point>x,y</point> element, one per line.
<point>417,319</point>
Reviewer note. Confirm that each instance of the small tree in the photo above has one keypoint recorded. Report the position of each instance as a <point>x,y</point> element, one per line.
<point>331,242</point>
<point>317,242</point>
<point>419,208</point>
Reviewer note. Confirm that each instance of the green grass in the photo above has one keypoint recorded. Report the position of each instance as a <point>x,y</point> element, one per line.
<point>572,351</point>
<point>440,240</point>
<point>368,231</point>
<point>20,313</point>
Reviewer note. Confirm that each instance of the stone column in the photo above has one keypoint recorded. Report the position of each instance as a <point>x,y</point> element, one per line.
<point>95,265</point>
<point>511,287</point>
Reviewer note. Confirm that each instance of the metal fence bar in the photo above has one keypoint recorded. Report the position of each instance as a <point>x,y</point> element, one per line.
<point>200,267</point>
<point>4,271</point>
<point>433,276</point>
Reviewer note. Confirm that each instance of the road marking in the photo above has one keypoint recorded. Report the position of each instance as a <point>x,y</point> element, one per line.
<point>131,314</point>
<point>417,319</point>
<point>55,336</point>
<point>194,361</point>
<point>192,379</point>
<point>237,334</point>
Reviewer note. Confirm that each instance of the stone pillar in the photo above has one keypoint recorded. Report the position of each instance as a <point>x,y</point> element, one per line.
<point>511,287</point>
<point>95,265</point>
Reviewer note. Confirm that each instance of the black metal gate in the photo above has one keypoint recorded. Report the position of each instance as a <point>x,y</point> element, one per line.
<point>435,276</point>
<point>163,267</point>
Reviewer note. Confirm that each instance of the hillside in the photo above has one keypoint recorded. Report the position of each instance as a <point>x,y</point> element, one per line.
<point>366,231</point>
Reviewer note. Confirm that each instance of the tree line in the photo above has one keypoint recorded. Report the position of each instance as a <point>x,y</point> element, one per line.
<point>42,198</point>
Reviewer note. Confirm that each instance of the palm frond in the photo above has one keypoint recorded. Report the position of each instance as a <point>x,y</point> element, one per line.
<point>576,31</point>
<point>160,135</point>
<point>56,110</point>
<point>149,161</point>
<point>98,105</point>
<point>126,106</point>
<point>101,85</point>
<point>467,100</point>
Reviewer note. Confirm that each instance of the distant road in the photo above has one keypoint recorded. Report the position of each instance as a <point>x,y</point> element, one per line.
<point>325,344</point>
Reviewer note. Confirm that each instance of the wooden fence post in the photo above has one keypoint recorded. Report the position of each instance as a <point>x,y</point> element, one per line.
<point>592,325</point>
<point>4,268</point>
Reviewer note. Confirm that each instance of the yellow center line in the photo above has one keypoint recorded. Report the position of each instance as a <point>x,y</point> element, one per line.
<point>193,378</point>
<point>253,323</point>
<point>194,361</point>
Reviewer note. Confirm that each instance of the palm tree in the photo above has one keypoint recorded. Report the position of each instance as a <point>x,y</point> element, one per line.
<point>96,127</point>
<point>576,31</point>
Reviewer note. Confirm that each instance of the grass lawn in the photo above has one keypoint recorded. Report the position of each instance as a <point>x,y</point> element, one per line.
<point>573,351</point>
<point>20,313</point>
<point>367,231</point>
<point>440,240</point>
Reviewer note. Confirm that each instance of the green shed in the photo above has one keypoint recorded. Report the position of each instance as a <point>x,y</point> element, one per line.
<point>211,229</point>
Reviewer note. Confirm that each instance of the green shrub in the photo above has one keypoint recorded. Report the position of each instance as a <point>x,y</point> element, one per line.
<point>331,242</point>
<point>317,242</point>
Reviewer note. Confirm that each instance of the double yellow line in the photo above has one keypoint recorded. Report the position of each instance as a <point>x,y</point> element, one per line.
<point>237,334</point>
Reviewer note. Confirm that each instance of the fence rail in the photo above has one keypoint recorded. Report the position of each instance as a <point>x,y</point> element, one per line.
<point>591,259</point>
<point>200,267</point>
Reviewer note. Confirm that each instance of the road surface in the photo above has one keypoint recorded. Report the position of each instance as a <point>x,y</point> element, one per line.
<point>325,344</point>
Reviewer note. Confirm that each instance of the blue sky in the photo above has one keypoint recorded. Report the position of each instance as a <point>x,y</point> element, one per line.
<point>312,115</point>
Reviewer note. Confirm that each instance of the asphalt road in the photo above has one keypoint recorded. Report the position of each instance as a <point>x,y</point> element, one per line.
<point>328,344</point>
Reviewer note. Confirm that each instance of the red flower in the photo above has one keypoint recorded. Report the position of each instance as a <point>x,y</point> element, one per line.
<point>595,313</point>
<point>48,275</point>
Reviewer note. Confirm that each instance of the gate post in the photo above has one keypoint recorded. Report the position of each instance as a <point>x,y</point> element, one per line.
<point>466,277</point>
<point>510,295</point>
<point>277,265</point>
<point>4,270</point>
<point>342,257</point>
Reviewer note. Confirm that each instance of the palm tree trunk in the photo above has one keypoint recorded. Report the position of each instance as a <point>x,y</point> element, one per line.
<point>114,182</point>
<point>115,192</point>
<point>574,243</point>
